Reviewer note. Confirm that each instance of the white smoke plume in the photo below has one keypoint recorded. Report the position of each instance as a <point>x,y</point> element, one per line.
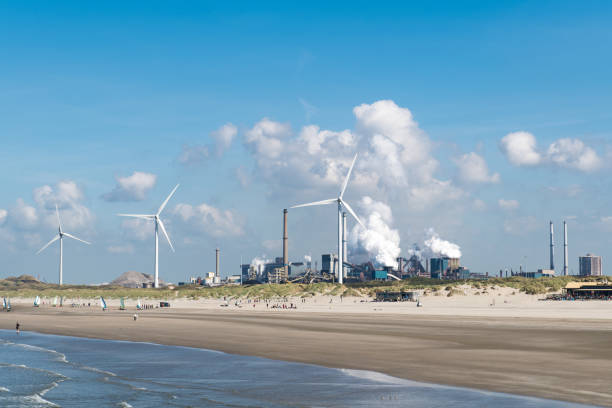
<point>439,247</point>
<point>378,242</point>
<point>258,263</point>
<point>307,258</point>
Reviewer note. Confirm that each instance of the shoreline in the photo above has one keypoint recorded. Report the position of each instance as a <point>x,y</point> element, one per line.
<point>358,373</point>
<point>561,359</point>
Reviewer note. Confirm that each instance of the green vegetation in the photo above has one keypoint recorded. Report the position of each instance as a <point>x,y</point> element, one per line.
<point>27,286</point>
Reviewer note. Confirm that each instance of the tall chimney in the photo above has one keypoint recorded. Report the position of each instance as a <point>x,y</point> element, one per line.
<point>552,246</point>
<point>344,246</point>
<point>565,248</point>
<point>285,243</point>
<point>217,263</point>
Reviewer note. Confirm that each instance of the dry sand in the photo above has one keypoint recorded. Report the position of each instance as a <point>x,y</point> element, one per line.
<point>519,345</point>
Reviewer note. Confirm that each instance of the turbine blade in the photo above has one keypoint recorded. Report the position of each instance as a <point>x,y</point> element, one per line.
<point>78,239</point>
<point>59,221</point>
<point>144,216</point>
<point>161,224</point>
<point>350,210</point>
<point>348,176</point>
<point>324,202</point>
<point>48,243</point>
<point>161,208</point>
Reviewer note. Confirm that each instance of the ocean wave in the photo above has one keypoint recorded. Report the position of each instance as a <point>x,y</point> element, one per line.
<point>36,400</point>
<point>42,370</point>
<point>4,389</point>
<point>124,404</point>
<point>97,370</point>
<point>384,378</point>
<point>59,356</point>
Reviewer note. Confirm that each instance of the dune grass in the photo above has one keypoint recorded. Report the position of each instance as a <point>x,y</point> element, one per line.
<point>27,287</point>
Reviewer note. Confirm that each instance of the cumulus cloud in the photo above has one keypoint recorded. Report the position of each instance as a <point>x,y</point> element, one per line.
<point>473,169</point>
<point>138,229</point>
<point>223,137</point>
<point>132,188</point>
<point>3,214</point>
<point>213,221</point>
<point>521,149</point>
<point>23,216</point>
<point>508,205</point>
<point>395,157</point>
<point>200,153</point>
<point>479,204</point>
<point>574,154</point>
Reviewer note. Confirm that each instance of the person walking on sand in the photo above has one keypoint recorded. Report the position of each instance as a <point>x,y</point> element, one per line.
<point>17,327</point>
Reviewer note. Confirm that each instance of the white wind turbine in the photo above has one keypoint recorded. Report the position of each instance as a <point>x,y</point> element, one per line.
<point>341,204</point>
<point>158,224</point>
<point>61,234</point>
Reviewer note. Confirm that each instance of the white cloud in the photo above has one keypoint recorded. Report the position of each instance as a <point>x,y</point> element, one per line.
<point>138,229</point>
<point>198,153</point>
<point>223,137</point>
<point>479,205</point>
<point>272,245</point>
<point>395,158</point>
<point>132,188</point>
<point>3,214</point>
<point>573,153</point>
<point>23,216</point>
<point>265,138</point>
<point>68,197</point>
<point>213,221</point>
<point>244,178</point>
<point>521,149</point>
<point>508,205</point>
<point>473,169</point>
<point>193,154</point>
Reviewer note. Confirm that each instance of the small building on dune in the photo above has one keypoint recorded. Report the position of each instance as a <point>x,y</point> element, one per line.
<point>588,291</point>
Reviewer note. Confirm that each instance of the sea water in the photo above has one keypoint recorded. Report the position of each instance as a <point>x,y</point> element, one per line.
<point>39,370</point>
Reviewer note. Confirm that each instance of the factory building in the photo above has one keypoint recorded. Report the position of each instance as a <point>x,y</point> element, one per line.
<point>329,264</point>
<point>590,265</point>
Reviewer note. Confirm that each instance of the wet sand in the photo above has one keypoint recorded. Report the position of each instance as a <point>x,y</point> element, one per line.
<point>564,359</point>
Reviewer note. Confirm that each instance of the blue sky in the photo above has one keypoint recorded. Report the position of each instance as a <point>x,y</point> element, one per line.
<point>91,93</point>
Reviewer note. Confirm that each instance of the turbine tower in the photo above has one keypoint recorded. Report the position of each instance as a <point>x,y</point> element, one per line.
<point>158,224</point>
<point>341,205</point>
<point>552,246</point>
<point>60,235</point>
<point>565,260</point>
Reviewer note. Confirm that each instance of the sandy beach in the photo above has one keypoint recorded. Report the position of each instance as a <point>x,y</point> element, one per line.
<point>504,342</point>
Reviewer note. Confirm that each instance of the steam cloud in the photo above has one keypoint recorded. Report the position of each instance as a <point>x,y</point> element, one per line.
<point>378,242</point>
<point>258,263</point>
<point>307,258</point>
<point>439,247</point>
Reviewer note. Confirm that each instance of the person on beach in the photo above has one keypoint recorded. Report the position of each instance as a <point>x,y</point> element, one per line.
<point>17,327</point>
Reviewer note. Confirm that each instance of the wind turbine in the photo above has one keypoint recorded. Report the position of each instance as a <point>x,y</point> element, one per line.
<point>61,234</point>
<point>341,204</point>
<point>158,224</point>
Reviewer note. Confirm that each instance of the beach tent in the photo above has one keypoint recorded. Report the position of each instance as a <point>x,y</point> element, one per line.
<point>55,302</point>
<point>138,305</point>
<point>61,301</point>
<point>122,305</point>
<point>102,303</point>
<point>37,301</point>
<point>3,303</point>
<point>8,305</point>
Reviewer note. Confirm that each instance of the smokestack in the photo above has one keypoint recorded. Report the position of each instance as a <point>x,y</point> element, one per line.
<point>285,243</point>
<point>217,263</point>
<point>344,246</point>
<point>565,248</point>
<point>552,246</point>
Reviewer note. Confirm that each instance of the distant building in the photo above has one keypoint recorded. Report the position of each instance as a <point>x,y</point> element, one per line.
<point>541,273</point>
<point>278,275</point>
<point>328,264</point>
<point>590,265</point>
<point>438,267</point>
